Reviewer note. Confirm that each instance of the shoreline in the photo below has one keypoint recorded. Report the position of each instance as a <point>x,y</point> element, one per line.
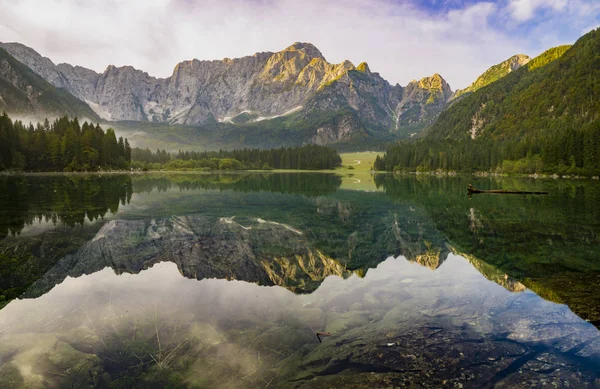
<point>115,172</point>
<point>553,176</point>
<point>339,171</point>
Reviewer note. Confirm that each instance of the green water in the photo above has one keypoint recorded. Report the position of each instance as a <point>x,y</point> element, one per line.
<point>219,281</point>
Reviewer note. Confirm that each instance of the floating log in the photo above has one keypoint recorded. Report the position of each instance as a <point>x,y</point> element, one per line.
<point>321,333</point>
<point>471,190</point>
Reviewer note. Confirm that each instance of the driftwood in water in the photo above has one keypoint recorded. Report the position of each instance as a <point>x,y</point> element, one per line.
<point>471,189</point>
<point>321,333</point>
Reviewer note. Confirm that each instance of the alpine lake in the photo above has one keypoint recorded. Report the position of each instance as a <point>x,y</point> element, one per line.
<point>185,280</point>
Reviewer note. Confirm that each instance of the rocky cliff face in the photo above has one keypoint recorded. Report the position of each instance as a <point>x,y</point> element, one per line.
<point>250,89</point>
<point>341,128</point>
<point>421,103</point>
<point>42,66</point>
<point>361,91</point>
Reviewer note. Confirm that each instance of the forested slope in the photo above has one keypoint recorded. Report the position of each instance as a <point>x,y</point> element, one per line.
<point>543,117</point>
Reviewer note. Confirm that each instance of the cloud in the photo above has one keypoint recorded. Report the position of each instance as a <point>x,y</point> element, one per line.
<point>402,40</point>
<point>523,10</point>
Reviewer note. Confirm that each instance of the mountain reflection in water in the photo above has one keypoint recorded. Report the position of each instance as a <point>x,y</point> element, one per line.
<point>402,320</point>
<point>221,281</point>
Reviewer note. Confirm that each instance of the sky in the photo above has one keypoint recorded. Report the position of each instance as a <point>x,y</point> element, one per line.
<point>401,39</point>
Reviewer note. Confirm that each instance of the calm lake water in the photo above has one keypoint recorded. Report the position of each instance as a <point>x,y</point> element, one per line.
<point>223,281</point>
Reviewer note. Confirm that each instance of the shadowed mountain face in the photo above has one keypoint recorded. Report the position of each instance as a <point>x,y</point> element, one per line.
<point>297,82</point>
<point>23,92</point>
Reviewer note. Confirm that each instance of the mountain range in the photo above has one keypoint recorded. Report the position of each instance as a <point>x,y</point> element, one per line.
<point>293,96</point>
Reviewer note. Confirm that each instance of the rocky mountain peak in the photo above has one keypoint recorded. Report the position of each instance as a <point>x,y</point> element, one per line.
<point>22,49</point>
<point>516,61</point>
<point>286,65</point>
<point>307,49</point>
<point>348,65</point>
<point>436,84</point>
<point>123,69</point>
<point>363,67</point>
<point>42,66</point>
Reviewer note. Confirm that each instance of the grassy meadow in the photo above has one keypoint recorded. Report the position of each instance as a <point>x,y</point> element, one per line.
<point>356,170</point>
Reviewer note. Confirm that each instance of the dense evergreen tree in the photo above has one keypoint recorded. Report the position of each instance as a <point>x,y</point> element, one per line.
<point>308,157</point>
<point>561,150</point>
<point>64,145</point>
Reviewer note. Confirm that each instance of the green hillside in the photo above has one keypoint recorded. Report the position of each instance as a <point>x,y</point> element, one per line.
<point>22,92</point>
<point>494,73</point>
<point>543,117</point>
